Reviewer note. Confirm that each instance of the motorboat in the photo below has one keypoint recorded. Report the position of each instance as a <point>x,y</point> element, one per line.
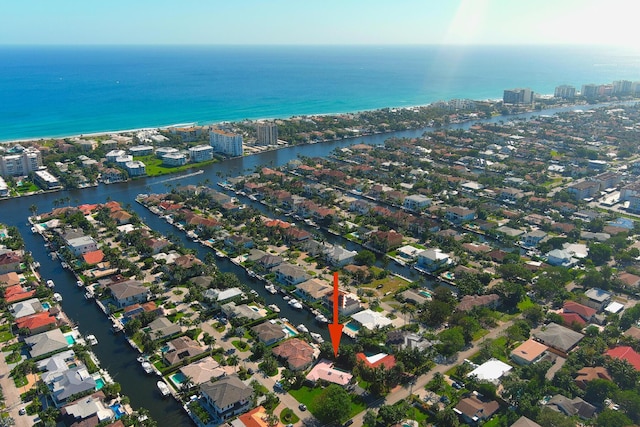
<point>164,388</point>
<point>295,304</point>
<point>322,318</point>
<point>271,289</point>
<point>57,297</point>
<point>286,297</point>
<point>317,337</point>
<point>88,295</point>
<point>79,283</point>
<point>140,359</point>
<point>274,307</point>
<point>302,328</point>
<point>50,283</point>
<point>91,339</point>
<point>148,367</point>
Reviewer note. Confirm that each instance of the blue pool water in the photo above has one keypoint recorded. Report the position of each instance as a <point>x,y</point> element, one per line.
<point>178,378</point>
<point>290,331</point>
<point>353,326</point>
<point>46,305</point>
<point>118,410</point>
<point>425,294</point>
<point>165,349</point>
<point>99,384</point>
<point>70,339</point>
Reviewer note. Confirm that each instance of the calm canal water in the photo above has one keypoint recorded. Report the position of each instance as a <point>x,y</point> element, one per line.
<point>113,351</point>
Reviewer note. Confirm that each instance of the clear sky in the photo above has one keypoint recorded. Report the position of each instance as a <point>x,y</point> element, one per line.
<point>588,22</point>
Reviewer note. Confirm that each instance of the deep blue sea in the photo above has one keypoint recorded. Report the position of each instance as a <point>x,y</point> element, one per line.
<point>61,91</point>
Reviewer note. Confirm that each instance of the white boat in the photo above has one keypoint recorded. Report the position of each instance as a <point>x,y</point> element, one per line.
<point>164,388</point>
<point>295,304</point>
<point>140,359</point>
<point>88,295</point>
<point>79,283</point>
<point>117,327</point>
<point>317,337</point>
<point>286,297</point>
<point>322,318</point>
<point>274,307</point>
<point>50,283</point>
<point>302,328</point>
<point>285,320</point>
<point>34,230</point>
<point>36,265</point>
<point>91,339</point>
<point>57,297</point>
<point>64,265</point>
<point>271,289</point>
<point>148,367</point>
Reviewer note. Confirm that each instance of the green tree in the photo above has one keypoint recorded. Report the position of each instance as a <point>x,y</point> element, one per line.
<point>392,414</point>
<point>365,257</point>
<point>598,390</point>
<point>600,253</point>
<point>609,418</point>
<point>333,404</point>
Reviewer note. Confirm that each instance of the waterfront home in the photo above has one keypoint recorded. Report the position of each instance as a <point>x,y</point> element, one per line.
<point>68,383</point>
<point>269,333</point>
<point>128,292</point>
<point>296,235</point>
<point>269,261</point>
<point>10,262</point>
<point>56,364</point>
<point>222,295</point>
<point>17,293</point>
<point>379,360</point>
<point>324,371</point>
<point>433,259</point>
<point>9,279</point>
<point>162,328</point>
<point>296,353</point>
<point>225,398</point>
<point>203,370</point>
<point>472,410</point>
<point>252,312</point>
<point>348,303</point>
<point>384,241</point>
<point>238,243</point>
<point>459,214</point>
<point>82,245</point>
<point>93,257</point>
<point>181,348</point>
<point>25,308</point>
<point>371,319</point>
<point>313,290</point>
<point>416,202</point>
<point>338,256</point>
<point>36,323</point>
<point>46,343</point>
<point>87,411</point>
<point>290,274</point>
<point>135,310</point>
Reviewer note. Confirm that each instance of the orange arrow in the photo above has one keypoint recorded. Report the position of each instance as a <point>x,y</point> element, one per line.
<point>335,328</point>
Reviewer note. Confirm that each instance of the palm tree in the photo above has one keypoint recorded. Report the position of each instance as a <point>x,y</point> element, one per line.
<point>33,209</point>
<point>233,360</point>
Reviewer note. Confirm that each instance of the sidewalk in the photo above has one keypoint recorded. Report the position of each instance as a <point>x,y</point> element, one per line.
<point>12,400</point>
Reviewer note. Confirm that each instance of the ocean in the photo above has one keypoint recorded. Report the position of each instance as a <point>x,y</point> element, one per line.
<point>66,90</point>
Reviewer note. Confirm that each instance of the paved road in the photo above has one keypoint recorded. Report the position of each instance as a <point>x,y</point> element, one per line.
<point>12,400</point>
<point>418,388</point>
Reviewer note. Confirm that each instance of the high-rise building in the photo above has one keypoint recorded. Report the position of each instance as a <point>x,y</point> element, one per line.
<point>589,91</point>
<point>20,161</point>
<point>565,92</point>
<point>225,142</point>
<point>518,96</point>
<point>267,134</point>
<point>622,87</point>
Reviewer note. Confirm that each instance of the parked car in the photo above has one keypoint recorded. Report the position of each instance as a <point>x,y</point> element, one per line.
<point>302,407</point>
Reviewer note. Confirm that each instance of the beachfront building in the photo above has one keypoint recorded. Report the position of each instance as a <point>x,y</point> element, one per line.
<point>141,150</point>
<point>112,155</point>
<point>20,161</point>
<point>267,134</point>
<point>45,180</point>
<point>565,92</point>
<point>135,168</point>
<point>200,153</point>
<point>226,143</point>
<point>174,159</point>
<point>518,96</point>
<point>4,189</point>
<point>163,151</point>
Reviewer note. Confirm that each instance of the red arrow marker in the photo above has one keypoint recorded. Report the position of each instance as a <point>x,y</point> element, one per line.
<point>335,328</point>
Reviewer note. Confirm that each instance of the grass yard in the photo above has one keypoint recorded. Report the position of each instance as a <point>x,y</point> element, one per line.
<point>155,167</point>
<point>389,284</point>
<point>26,187</point>
<point>308,396</point>
<point>5,333</point>
<point>525,303</point>
<point>287,416</point>
<point>240,345</point>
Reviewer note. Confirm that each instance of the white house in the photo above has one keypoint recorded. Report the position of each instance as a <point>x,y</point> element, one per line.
<point>433,259</point>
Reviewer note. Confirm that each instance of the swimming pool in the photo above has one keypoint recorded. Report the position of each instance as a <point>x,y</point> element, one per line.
<point>178,378</point>
<point>46,305</point>
<point>165,348</point>
<point>70,339</point>
<point>118,410</point>
<point>425,294</point>
<point>353,326</point>
<point>289,331</point>
<point>99,384</point>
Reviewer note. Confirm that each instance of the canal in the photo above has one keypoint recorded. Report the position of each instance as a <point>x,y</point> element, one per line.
<point>114,352</point>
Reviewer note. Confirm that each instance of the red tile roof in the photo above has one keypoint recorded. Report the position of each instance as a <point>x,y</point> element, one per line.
<point>17,293</point>
<point>389,361</point>
<point>573,307</point>
<point>625,353</point>
<point>93,257</point>
<point>570,318</point>
<point>35,321</point>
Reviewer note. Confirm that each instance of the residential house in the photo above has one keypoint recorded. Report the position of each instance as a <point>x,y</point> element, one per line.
<point>529,352</point>
<point>10,262</point>
<point>589,373</point>
<point>459,214</point>
<point>384,241</point>
<point>298,354</point>
<point>82,245</point>
<point>347,303</point>
<point>597,298</point>
<point>290,274</point>
<point>251,312</point>
<point>129,292</point>
<point>416,202</point>
<point>313,290</point>
<point>69,383</point>
<point>472,410</point>
<point>510,195</point>
<point>222,295</point>
<point>93,257</point>
<point>559,339</point>
<point>624,352</point>
<point>379,360</point>
<point>587,314</point>
<point>226,398</point>
<point>46,343</point>
<point>162,328</point>
<point>88,411</point>
<point>469,302</point>
<point>238,243</point>
<point>135,310</point>
<point>371,319</point>
<point>269,261</point>
<point>560,257</point>
<point>269,333</point>
<point>571,407</point>
<point>17,293</point>
<point>182,348</point>
<point>325,371</point>
<point>534,237</point>
<point>25,308</point>
<point>203,370</point>
<point>629,280</point>
<point>36,323</point>
<point>433,259</point>
<point>491,370</point>
<point>525,422</point>
<point>338,256</point>
<point>584,189</point>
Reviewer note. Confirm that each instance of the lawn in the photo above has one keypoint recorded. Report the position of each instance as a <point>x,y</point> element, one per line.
<point>287,416</point>
<point>240,345</point>
<point>389,284</point>
<point>525,303</point>
<point>308,396</point>
<point>5,333</point>
<point>154,165</point>
<point>27,187</point>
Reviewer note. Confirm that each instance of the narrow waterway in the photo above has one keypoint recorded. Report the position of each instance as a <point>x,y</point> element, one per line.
<point>113,351</point>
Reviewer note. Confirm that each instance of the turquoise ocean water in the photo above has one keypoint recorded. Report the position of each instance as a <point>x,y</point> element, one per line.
<point>60,91</point>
